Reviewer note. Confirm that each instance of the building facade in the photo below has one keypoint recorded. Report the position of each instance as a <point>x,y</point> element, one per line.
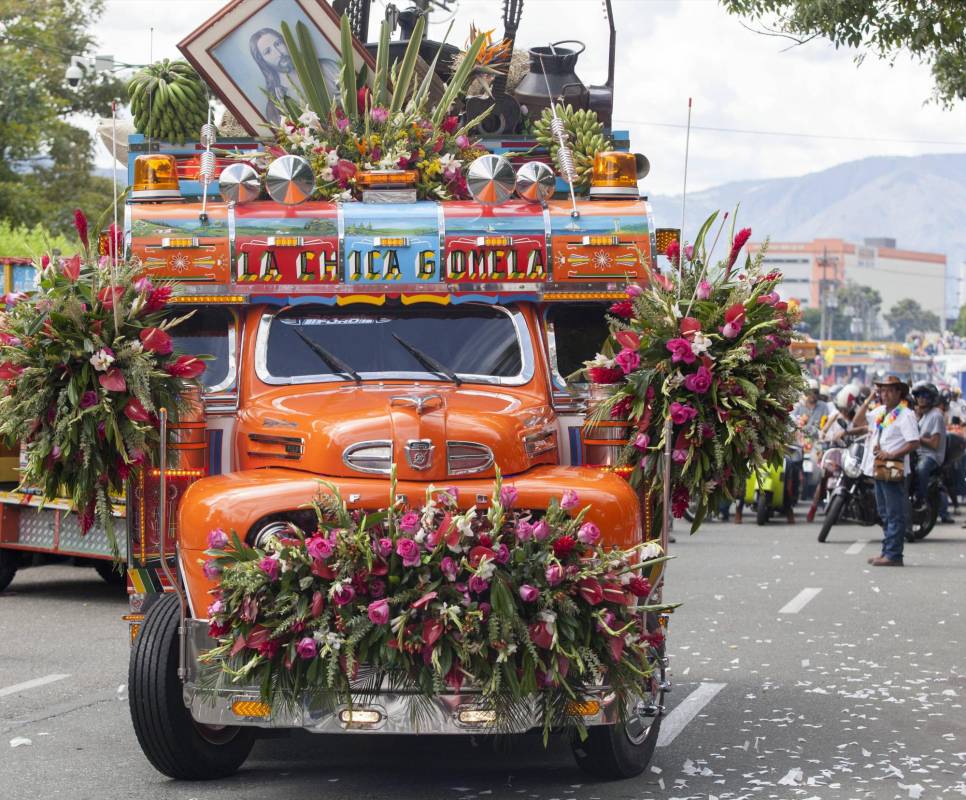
<point>813,269</point>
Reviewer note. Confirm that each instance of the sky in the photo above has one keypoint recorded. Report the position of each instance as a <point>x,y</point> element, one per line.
<point>827,109</point>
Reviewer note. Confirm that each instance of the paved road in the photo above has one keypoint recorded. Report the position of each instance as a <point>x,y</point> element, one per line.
<point>800,672</point>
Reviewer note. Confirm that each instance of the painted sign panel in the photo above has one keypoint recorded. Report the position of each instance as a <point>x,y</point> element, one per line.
<point>608,241</point>
<point>394,243</point>
<point>173,241</point>
<point>287,245</point>
<point>506,243</point>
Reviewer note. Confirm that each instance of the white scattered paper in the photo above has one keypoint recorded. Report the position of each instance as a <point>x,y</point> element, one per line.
<point>19,741</point>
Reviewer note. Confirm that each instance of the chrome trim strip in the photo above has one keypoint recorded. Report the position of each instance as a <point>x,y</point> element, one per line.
<point>351,449</point>
<point>516,316</point>
<point>482,449</point>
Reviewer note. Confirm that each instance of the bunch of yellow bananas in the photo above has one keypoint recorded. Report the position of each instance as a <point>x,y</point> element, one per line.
<point>169,101</point>
<point>586,134</point>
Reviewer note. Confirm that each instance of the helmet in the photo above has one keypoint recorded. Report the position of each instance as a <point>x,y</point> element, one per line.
<point>846,397</point>
<point>926,391</point>
<point>811,385</point>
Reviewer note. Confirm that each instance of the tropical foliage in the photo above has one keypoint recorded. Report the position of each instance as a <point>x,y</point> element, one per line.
<point>703,373</point>
<point>508,602</point>
<point>382,124</point>
<point>86,363</point>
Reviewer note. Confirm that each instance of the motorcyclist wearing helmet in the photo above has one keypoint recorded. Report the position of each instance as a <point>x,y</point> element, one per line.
<point>932,440</point>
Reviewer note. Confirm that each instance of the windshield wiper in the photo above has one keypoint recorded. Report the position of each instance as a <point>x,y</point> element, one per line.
<point>331,360</point>
<point>428,361</point>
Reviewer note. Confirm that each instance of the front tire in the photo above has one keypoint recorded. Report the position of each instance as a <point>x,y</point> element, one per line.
<point>763,508</point>
<point>831,516</point>
<point>174,744</point>
<point>924,520</point>
<point>8,567</point>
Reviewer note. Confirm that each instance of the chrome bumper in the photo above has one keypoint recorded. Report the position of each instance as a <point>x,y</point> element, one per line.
<point>383,712</point>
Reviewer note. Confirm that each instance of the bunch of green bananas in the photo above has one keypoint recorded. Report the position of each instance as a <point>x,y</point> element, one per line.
<point>169,101</point>
<point>585,133</point>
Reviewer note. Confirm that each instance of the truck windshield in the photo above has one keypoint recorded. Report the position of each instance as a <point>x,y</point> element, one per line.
<point>473,341</point>
<point>207,332</point>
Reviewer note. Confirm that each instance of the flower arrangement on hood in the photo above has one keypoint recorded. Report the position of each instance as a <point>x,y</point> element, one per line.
<point>85,364</point>
<point>706,348</point>
<point>387,125</point>
<point>507,601</point>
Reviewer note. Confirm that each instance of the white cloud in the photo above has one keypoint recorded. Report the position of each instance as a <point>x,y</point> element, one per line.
<point>669,50</point>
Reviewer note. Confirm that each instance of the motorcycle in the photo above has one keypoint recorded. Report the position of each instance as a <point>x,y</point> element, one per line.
<point>851,496</point>
<point>768,492</point>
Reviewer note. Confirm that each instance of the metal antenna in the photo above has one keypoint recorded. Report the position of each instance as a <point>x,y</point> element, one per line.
<point>565,156</point>
<point>684,196</point>
<point>206,171</point>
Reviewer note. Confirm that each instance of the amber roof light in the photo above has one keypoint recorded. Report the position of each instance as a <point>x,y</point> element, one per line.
<point>156,178</point>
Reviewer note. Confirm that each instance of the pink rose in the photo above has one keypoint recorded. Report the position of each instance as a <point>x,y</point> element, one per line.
<point>528,593</point>
<point>554,574</point>
<point>502,554</point>
<point>508,496</point>
<point>408,551</point>
<point>211,569</point>
<point>378,612</point>
<point>319,547</point>
<point>88,399</point>
<point>217,539</point>
<point>682,413</point>
<point>681,351</point>
<point>524,530</point>
<point>589,534</point>
<point>570,500</point>
<point>306,648</point>
<point>627,360</point>
<point>541,530</point>
<point>449,568</point>
<point>409,521</point>
<point>679,456</point>
<point>384,547</point>
<point>642,442</point>
<point>699,382</point>
<point>344,595</point>
<point>478,585</point>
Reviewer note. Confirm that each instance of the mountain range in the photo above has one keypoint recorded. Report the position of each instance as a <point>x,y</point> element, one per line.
<point>920,201</point>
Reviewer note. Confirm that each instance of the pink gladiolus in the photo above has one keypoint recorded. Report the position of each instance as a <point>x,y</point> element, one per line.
<point>408,551</point>
<point>450,124</point>
<point>682,413</point>
<point>379,114</point>
<point>704,290</point>
<point>143,285</point>
<point>569,501</point>
<point>628,339</point>
<point>113,380</point>
<point>508,496</point>
<point>589,534</point>
<point>681,351</point>
<point>541,530</point>
<point>673,251</point>
<point>44,262</point>
<point>528,593</point>
<point>378,612</point>
<point>627,360</point>
<point>633,290</point>
<point>270,567</point>
<point>156,341</point>
<point>689,252</point>
<point>642,442</point>
<point>699,382</point>
<point>9,372</point>
<point>217,539</point>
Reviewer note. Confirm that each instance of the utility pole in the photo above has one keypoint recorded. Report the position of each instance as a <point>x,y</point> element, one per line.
<point>826,299</point>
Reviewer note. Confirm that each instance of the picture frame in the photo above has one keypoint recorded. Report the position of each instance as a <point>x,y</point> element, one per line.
<point>241,55</point>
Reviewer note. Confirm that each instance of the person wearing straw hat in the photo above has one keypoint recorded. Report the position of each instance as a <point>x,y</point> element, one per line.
<point>893,435</point>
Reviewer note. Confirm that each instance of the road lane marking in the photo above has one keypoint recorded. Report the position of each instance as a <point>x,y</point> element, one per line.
<point>22,687</point>
<point>685,711</point>
<point>799,601</point>
<point>856,547</point>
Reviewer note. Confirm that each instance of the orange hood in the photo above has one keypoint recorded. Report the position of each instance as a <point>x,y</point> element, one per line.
<point>429,431</point>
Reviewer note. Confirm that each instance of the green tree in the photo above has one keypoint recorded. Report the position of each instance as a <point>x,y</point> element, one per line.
<point>907,316</point>
<point>932,31</point>
<point>32,242</point>
<point>959,328</point>
<point>45,163</point>
<point>856,302</point>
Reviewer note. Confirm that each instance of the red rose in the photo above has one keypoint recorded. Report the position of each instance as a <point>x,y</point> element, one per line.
<point>623,309</point>
<point>590,590</point>
<point>135,411</point>
<point>186,367</point>
<point>156,340</point>
<point>639,587</point>
<point>563,546</point>
<point>343,171</point>
<point>113,380</point>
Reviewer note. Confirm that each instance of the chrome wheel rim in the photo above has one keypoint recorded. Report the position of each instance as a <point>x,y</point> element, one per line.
<point>216,734</point>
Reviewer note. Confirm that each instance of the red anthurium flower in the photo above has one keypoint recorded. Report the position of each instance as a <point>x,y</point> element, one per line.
<point>135,411</point>
<point>614,593</point>
<point>186,367</point>
<point>689,327</point>
<point>71,267</point>
<point>110,295</point>
<point>735,314</point>
<point>478,553</point>
<point>113,380</point>
<point>425,600</point>
<point>628,339</point>
<point>9,371</point>
<point>432,630</point>
<point>156,340</point>
<point>541,635</point>
<point>590,590</point>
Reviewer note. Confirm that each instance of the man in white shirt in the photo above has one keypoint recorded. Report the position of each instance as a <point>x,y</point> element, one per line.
<point>893,434</point>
